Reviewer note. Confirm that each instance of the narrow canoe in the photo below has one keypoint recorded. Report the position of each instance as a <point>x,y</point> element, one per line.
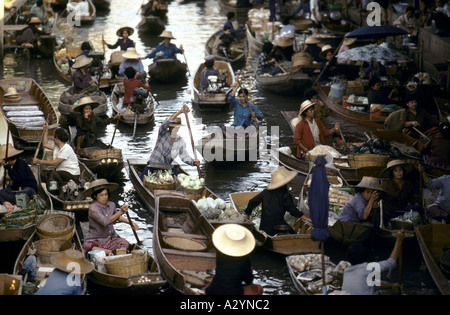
<point>27,116</point>
<point>152,25</point>
<point>167,71</point>
<point>85,19</point>
<point>237,51</point>
<point>292,82</point>
<point>433,239</point>
<point>66,105</point>
<point>182,243</point>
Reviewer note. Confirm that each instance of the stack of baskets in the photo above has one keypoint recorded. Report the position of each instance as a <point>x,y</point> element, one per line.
<point>127,265</point>
<point>366,160</point>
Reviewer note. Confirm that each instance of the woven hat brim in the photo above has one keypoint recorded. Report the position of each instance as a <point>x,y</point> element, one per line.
<point>386,173</point>
<point>230,247</point>
<point>79,107</point>
<point>61,263</point>
<point>110,186</point>
<point>82,64</point>
<point>284,181</point>
<point>125,28</point>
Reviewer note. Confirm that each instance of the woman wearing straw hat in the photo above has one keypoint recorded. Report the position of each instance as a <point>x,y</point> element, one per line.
<point>123,41</point>
<point>320,110</point>
<point>399,191</point>
<point>65,278</point>
<point>310,131</point>
<point>312,48</point>
<point>29,36</point>
<point>81,77</point>
<point>346,45</point>
<point>234,243</point>
<point>22,177</point>
<point>87,123</point>
<point>102,216</point>
<point>328,65</point>
<point>132,59</point>
<point>358,209</point>
<point>276,200</point>
<point>168,49</point>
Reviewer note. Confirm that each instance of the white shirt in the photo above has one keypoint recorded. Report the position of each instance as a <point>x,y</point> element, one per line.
<point>314,4</point>
<point>315,131</point>
<point>70,163</point>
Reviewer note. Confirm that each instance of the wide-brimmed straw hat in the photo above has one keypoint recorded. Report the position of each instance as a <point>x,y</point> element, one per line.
<point>35,20</point>
<point>166,34</point>
<point>370,182</point>
<point>87,100</point>
<point>99,184</point>
<point>81,62</point>
<point>72,261</point>
<point>125,28</point>
<point>131,53</point>
<point>11,151</point>
<point>386,173</point>
<point>348,41</point>
<point>233,240</point>
<point>11,92</point>
<point>280,177</point>
<point>325,49</point>
<point>284,41</point>
<point>11,95</point>
<point>305,105</point>
<point>312,40</point>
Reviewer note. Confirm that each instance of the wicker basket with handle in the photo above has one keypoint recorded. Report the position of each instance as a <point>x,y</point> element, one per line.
<point>127,265</point>
<point>365,160</point>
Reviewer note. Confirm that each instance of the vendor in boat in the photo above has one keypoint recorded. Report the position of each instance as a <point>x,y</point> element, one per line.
<point>359,208</point>
<point>328,66</point>
<point>320,110</point>
<point>416,120</point>
<point>310,131</point>
<point>209,70</point>
<point>244,111</point>
<point>132,59</point>
<point>276,201</point>
<point>375,69</point>
<point>377,95</point>
<point>223,43</point>
<point>86,48</point>
<point>29,36</point>
<point>64,159</point>
<point>82,80</point>
<point>57,283</point>
<point>283,48</point>
<point>151,8</point>
<point>22,178</point>
<point>312,48</point>
<point>239,33</point>
<point>399,190</point>
<point>436,152</point>
<point>102,216</point>
<point>169,146</point>
<point>408,22</point>
<point>124,42</point>
<point>168,49</point>
<point>347,43</point>
<point>87,123</point>
<point>131,81</point>
<point>266,62</point>
<point>234,244</point>
<point>440,209</point>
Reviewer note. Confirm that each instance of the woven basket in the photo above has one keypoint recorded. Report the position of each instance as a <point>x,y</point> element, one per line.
<point>46,248</point>
<point>8,217</point>
<point>193,194</point>
<point>302,59</point>
<point>127,265</point>
<point>55,225</point>
<point>153,186</point>
<point>365,160</point>
<point>184,243</point>
<point>65,237</point>
<point>73,51</point>
<point>399,224</point>
<point>116,57</point>
<point>99,153</point>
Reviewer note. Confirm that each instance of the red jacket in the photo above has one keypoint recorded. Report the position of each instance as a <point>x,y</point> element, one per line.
<point>130,85</point>
<point>303,134</point>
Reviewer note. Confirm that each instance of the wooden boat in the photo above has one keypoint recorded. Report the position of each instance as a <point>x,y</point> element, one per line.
<point>361,118</point>
<point>167,71</point>
<point>26,117</point>
<point>85,19</point>
<point>103,160</point>
<point>220,148</point>
<point>143,114</point>
<point>152,25</point>
<point>218,99</point>
<point>42,274</point>
<point>144,283</point>
<point>182,243</point>
<point>286,244</point>
<point>443,106</point>
<point>293,81</point>
<point>5,133</point>
<point>163,9</point>
<point>237,50</point>
<point>232,6</point>
<point>433,240</point>
<point>66,106</point>
<point>101,3</point>
<point>255,44</point>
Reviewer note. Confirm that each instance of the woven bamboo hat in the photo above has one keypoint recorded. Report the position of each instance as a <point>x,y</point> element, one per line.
<point>11,151</point>
<point>11,92</point>
<point>280,177</point>
<point>305,105</point>
<point>312,40</point>
<point>99,184</point>
<point>87,100</point>
<point>125,28</point>
<point>167,34</point>
<point>131,53</point>
<point>72,261</point>
<point>233,240</point>
<point>11,95</point>
<point>325,49</point>
<point>370,182</point>
<point>35,20</point>
<point>348,41</point>
<point>386,173</point>
<point>81,62</point>
<point>284,41</point>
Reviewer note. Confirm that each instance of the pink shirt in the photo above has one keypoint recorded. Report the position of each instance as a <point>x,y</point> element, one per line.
<point>100,226</point>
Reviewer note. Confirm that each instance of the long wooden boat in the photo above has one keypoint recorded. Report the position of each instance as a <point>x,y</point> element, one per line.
<point>214,100</point>
<point>42,274</point>
<point>149,282</point>
<point>85,19</point>
<point>152,25</point>
<point>26,117</point>
<point>182,243</point>
<point>286,244</point>
<point>141,116</point>
<point>66,106</point>
<point>5,133</point>
<point>292,82</point>
<point>237,50</point>
<point>361,118</point>
<point>167,71</point>
<point>433,239</point>
<point>231,6</point>
<point>255,45</point>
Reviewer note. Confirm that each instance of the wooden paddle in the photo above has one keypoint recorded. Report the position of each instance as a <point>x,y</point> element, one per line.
<point>421,133</point>
<point>185,61</point>
<point>114,134</point>
<point>39,145</point>
<point>343,139</point>
<point>192,142</point>
<point>134,232</point>
<point>6,154</point>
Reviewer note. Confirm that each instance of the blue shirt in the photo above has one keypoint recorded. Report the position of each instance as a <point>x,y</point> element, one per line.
<point>124,44</point>
<point>61,283</point>
<point>442,183</point>
<point>137,65</point>
<point>243,115</point>
<point>169,51</point>
<point>304,7</point>
<point>233,31</point>
<point>353,211</point>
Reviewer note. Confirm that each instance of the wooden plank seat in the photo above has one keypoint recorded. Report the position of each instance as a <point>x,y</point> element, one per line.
<point>193,236</point>
<point>8,108</point>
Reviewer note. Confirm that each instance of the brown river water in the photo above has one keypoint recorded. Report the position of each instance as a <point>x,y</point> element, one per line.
<point>192,23</point>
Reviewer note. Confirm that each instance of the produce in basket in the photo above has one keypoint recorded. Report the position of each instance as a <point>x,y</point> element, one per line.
<point>191,181</point>
<point>160,177</point>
